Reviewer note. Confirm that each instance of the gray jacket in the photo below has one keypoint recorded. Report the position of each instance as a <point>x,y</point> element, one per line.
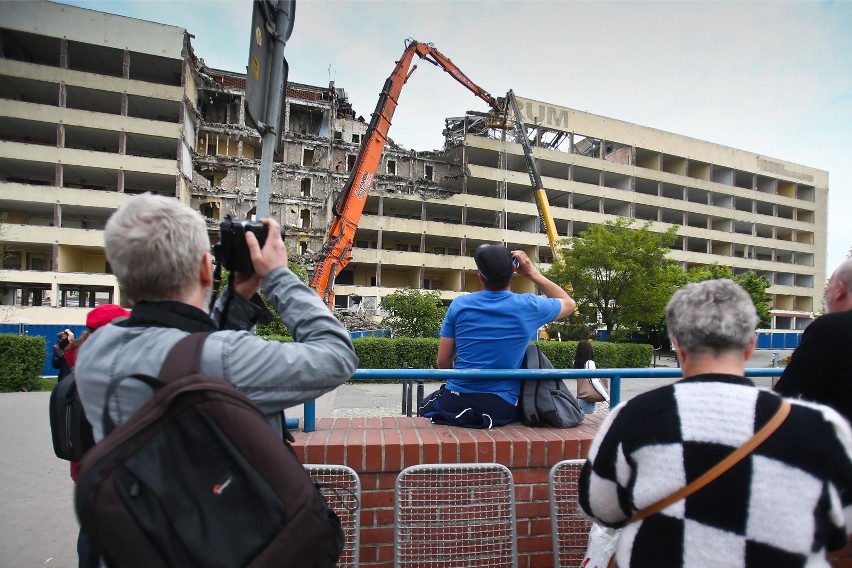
<point>274,375</point>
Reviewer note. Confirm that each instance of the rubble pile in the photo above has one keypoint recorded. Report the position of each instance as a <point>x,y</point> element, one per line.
<point>356,322</point>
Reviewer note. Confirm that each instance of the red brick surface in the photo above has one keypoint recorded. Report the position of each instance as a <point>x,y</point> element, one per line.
<point>378,449</point>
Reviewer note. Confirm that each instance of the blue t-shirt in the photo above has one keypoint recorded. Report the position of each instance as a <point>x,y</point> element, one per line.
<point>492,331</point>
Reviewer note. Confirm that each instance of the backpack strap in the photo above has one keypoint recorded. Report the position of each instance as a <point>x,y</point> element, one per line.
<point>184,358</point>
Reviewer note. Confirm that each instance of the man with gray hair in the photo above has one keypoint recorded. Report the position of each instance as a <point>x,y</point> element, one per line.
<point>821,366</point>
<point>784,504</point>
<point>159,251</point>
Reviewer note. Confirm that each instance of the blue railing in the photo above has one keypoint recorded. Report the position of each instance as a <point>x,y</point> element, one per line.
<point>442,375</point>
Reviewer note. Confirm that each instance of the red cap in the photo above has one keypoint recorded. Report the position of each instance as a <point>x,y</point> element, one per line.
<point>104,314</point>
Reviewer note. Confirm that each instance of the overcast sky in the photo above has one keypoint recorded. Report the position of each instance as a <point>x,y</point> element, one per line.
<point>772,78</point>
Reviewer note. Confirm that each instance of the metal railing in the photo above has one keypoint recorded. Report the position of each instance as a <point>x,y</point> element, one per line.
<point>443,375</point>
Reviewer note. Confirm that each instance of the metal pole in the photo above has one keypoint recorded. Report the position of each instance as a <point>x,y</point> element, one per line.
<point>273,113</point>
<point>614,391</point>
<point>310,416</point>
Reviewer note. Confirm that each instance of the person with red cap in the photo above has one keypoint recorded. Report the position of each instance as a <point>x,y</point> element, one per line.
<point>491,329</point>
<point>98,317</point>
<point>88,557</point>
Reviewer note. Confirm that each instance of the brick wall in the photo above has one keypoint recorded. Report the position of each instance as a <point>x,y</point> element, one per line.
<point>379,448</point>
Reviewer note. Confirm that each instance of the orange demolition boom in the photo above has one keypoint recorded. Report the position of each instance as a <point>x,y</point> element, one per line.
<point>337,249</point>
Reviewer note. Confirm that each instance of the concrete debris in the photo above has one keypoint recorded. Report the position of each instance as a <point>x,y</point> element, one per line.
<point>355,322</point>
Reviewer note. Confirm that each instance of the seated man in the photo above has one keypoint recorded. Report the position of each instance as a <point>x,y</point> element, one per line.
<point>159,250</point>
<point>491,329</point>
<point>784,504</point>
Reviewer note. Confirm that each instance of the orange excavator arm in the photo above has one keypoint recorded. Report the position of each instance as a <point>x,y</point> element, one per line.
<point>337,249</point>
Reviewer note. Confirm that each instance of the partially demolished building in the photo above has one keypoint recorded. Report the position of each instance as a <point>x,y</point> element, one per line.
<point>87,120</point>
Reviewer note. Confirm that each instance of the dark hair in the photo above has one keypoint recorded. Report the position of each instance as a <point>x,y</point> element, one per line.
<point>583,354</point>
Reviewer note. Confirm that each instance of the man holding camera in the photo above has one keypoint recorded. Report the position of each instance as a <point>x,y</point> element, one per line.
<point>159,251</point>
<point>58,362</point>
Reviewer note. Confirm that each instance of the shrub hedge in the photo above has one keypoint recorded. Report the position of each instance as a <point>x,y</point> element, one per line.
<point>420,353</point>
<point>21,361</point>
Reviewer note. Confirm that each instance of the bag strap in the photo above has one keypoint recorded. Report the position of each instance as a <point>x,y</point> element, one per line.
<point>735,457</point>
<point>184,358</point>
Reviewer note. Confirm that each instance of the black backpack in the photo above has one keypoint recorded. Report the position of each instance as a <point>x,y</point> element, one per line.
<point>198,478</point>
<point>72,433</point>
<point>547,402</point>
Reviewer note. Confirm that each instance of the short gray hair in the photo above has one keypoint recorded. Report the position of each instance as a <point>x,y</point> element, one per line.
<point>154,245</point>
<point>715,315</point>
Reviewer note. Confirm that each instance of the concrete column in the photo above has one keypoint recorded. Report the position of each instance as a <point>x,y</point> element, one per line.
<point>63,95</point>
<point>124,104</point>
<point>379,272</point>
<point>57,175</point>
<point>54,260</point>
<point>122,143</point>
<point>63,53</point>
<point>421,277</point>
<point>120,181</point>
<point>464,163</point>
<point>125,65</point>
<point>60,135</point>
<point>57,214</point>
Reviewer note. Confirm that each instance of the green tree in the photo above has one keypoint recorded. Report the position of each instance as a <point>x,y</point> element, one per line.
<point>573,328</point>
<point>619,271</point>
<point>413,313</point>
<point>752,282</point>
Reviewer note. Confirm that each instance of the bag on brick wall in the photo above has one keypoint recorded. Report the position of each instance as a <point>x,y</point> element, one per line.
<point>198,478</point>
<point>547,402</point>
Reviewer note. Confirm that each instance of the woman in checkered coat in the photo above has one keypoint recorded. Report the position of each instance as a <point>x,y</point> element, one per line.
<point>784,505</point>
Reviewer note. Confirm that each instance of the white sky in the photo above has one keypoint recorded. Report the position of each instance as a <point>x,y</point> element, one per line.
<point>768,77</point>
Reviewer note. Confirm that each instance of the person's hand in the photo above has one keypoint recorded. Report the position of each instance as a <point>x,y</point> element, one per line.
<point>523,264</point>
<point>69,335</point>
<point>271,256</point>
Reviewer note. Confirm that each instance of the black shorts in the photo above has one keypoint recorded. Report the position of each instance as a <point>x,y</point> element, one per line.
<point>468,410</point>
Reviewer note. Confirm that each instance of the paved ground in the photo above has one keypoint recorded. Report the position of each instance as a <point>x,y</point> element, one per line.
<point>37,523</point>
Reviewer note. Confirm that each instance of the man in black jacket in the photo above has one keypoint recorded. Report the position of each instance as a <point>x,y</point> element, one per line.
<point>821,367</point>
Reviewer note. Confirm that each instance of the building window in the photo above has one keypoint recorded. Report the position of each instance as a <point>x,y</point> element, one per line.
<point>429,172</point>
<point>392,167</point>
<point>372,280</point>
<point>209,210</point>
<point>362,244</point>
<point>308,157</point>
<point>415,248</point>
<point>402,247</point>
<point>338,135</point>
<point>305,219</point>
<point>356,138</point>
<point>306,187</point>
<point>453,251</point>
<point>350,162</point>
<point>303,247</point>
<point>211,148</point>
<point>439,250</point>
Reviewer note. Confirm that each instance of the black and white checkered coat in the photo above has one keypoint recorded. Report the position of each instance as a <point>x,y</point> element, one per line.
<point>784,505</point>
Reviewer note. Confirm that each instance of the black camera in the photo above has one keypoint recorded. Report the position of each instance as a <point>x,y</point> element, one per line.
<point>232,251</point>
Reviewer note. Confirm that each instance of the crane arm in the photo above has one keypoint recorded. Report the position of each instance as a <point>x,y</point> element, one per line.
<point>337,249</point>
<point>535,179</point>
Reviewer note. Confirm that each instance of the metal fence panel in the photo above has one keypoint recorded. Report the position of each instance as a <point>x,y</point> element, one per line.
<point>341,487</point>
<point>569,527</point>
<point>455,516</point>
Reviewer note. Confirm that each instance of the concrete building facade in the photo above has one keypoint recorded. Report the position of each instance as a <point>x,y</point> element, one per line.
<point>96,107</point>
<point>93,109</point>
<point>733,208</point>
